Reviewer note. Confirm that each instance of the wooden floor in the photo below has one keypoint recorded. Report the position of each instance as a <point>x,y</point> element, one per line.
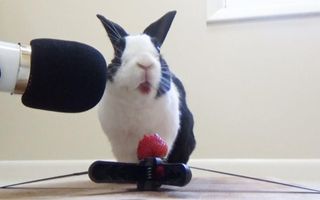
<point>213,187</point>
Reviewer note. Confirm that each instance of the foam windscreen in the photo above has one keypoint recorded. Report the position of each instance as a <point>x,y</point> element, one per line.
<point>65,76</point>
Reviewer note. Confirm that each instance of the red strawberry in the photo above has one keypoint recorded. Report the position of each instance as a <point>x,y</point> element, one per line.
<point>152,145</point>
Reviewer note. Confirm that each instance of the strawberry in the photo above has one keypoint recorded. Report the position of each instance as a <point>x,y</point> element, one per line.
<point>152,145</point>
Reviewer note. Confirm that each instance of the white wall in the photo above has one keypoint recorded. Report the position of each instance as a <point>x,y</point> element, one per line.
<point>254,87</point>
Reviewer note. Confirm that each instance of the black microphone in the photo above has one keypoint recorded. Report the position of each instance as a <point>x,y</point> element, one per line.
<point>54,75</point>
<point>149,174</point>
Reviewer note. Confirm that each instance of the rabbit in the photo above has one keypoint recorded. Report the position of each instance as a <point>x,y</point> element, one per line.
<point>143,96</point>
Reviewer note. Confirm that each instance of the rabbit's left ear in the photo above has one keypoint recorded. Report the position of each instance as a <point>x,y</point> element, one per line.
<point>160,28</point>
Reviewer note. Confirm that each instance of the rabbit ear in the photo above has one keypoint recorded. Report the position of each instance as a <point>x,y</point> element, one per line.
<point>115,31</point>
<point>160,28</point>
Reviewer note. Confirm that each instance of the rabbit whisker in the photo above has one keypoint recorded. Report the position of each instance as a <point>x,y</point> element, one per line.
<point>166,73</point>
<point>165,67</point>
<point>165,83</point>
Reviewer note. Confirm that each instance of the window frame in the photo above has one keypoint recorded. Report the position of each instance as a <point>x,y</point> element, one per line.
<point>225,11</point>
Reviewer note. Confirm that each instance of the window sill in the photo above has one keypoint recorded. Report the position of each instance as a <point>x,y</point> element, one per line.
<point>226,15</point>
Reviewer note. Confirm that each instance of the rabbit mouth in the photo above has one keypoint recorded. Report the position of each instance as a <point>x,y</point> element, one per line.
<point>145,87</point>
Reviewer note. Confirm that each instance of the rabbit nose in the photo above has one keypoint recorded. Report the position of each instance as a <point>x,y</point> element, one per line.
<point>144,61</point>
<point>144,66</point>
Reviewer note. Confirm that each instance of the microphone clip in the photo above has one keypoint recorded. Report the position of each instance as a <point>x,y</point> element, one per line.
<point>149,174</point>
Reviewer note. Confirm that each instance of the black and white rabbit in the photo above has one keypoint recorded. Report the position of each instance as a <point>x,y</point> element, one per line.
<point>142,96</point>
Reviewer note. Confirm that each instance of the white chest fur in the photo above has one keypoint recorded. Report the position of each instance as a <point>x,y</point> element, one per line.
<point>126,118</point>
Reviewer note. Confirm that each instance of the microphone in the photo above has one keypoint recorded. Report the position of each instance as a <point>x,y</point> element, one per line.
<point>149,174</point>
<point>54,75</point>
